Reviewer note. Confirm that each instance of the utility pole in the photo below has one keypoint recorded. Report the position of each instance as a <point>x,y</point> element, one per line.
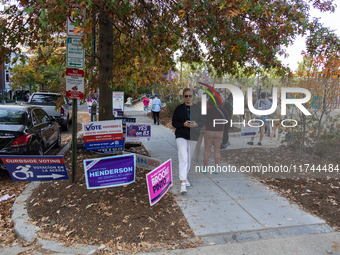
<point>3,83</point>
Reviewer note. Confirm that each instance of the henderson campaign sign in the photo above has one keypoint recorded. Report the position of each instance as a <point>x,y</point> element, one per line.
<point>159,182</point>
<point>110,171</point>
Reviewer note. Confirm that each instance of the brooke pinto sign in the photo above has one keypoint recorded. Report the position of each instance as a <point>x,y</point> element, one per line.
<point>159,182</point>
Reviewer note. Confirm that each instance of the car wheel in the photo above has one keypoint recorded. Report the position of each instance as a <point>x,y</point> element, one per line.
<point>41,150</point>
<point>58,142</point>
<point>66,126</point>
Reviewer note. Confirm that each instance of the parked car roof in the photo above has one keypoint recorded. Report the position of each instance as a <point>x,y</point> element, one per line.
<point>17,106</point>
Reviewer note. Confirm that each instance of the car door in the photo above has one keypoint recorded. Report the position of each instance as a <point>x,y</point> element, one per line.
<point>68,107</point>
<point>51,129</point>
<point>42,122</point>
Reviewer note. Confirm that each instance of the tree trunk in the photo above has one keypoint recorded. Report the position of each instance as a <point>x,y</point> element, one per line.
<point>106,64</point>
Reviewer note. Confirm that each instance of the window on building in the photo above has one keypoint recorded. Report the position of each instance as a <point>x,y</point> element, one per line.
<point>7,76</point>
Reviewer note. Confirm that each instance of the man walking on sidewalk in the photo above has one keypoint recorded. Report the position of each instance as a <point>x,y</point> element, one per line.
<point>156,108</point>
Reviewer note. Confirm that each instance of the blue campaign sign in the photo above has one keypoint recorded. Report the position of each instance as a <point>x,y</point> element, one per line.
<point>104,145</point>
<point>124,121</point>
<point>109,151</point>
<point>249,134</point>
<point>35,168</point>
<point>110,171</point>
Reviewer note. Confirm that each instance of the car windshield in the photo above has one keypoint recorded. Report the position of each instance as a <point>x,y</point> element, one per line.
<point>45,99</point>
<point>12,117</point>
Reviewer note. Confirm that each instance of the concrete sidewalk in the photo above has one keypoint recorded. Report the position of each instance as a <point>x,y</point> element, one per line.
<point>231,208</point>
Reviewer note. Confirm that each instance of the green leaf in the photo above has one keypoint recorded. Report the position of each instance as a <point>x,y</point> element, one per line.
<point>137,35</point>
<point>28,10</point>
<point>43,14</point>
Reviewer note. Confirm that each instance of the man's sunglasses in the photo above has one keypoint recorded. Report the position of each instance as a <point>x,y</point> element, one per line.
<point>187,96</point>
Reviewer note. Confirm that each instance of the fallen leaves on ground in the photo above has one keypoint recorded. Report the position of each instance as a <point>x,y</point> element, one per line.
<point>320,196</point>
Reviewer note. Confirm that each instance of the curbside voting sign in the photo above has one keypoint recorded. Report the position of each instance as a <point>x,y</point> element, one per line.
<point>110,171</point>
<point>159,182</point>
<point>35,168</point>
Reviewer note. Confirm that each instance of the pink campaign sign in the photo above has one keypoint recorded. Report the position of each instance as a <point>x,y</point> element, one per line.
<point>159,181</point>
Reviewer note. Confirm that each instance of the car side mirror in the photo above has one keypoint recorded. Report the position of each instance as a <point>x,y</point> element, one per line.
<point>52,118</point>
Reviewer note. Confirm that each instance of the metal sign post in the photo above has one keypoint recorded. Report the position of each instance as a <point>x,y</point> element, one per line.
<point>74,139</point>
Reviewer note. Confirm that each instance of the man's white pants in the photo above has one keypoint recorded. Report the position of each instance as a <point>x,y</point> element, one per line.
<point>185,149</point>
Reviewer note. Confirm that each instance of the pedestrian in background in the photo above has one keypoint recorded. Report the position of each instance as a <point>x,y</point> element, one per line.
<point>213,135</point>
<point>187,121</point>
<point>228,105</point>
<point>262,104</point>
<point>200,138</point>
<point>277,124</point>
<point>146,102</point>
<point>156,108</point>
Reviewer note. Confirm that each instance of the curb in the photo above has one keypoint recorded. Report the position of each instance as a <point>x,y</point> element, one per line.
<point>29,232</point>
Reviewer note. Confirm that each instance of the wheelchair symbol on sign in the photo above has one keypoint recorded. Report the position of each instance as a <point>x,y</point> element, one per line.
<point>23,170</point>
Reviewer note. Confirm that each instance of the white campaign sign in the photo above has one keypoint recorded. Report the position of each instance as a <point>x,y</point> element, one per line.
<point>102,127</point>
<point>118,101</point>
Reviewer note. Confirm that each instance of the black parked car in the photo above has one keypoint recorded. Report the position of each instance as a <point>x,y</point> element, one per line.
<point>27,130</point>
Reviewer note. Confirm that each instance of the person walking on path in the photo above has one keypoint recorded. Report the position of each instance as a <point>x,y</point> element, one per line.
<point>277,124</point>
<point>200,138</point>
<point>156,108</point>
<point>146,102</point>
<point>187,121</point>
<point>228,105</point>
<point>262,104</point>
<point>214,133</point>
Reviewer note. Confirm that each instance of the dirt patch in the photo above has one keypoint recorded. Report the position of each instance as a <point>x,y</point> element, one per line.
<point>319,196</point>
<point>116,217</point>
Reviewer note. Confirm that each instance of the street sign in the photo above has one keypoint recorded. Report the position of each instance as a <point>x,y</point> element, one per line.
<point>74,83</point>
<point>72,19</point>
<point>74,53</point>
<point>35,168</point>
<point>110,171</point>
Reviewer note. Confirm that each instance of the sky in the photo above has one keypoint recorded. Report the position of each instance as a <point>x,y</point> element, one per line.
<point>331,20</point>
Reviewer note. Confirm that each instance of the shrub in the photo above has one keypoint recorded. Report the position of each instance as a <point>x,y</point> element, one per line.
<point>172,105</point>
